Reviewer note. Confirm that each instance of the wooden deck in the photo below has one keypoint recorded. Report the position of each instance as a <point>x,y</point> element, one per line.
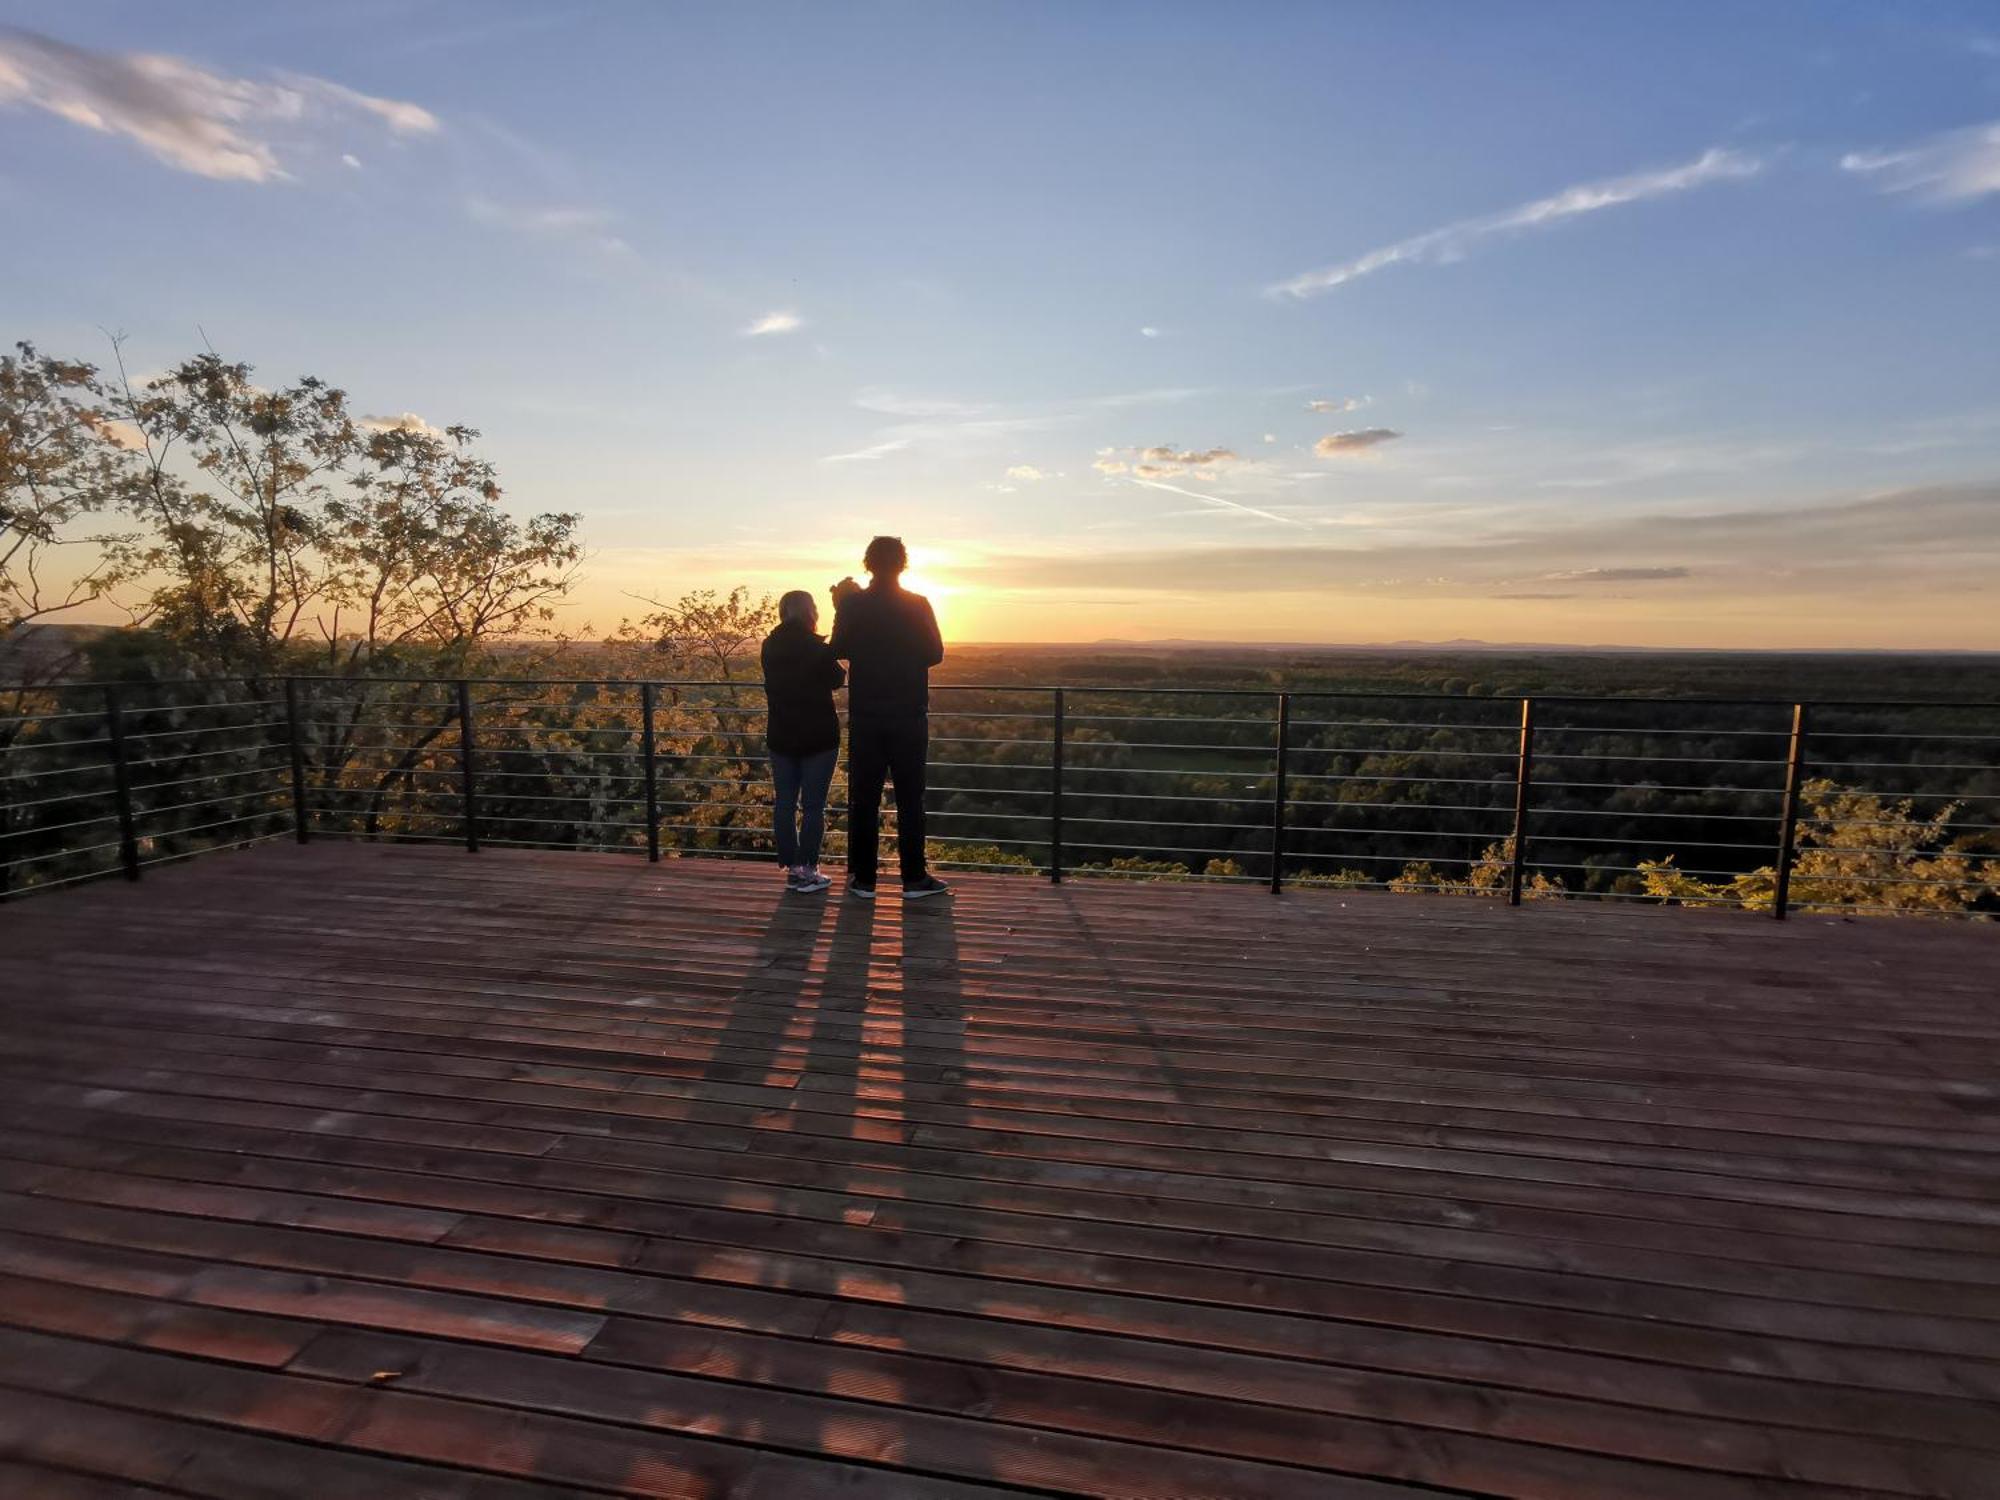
<point>359,1172</point>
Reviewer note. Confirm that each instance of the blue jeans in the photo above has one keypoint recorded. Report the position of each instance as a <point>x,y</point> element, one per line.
<point>802,782</point>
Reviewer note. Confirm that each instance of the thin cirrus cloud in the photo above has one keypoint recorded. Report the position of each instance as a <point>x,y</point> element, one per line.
<point>1456,241</point>
<point>774,323</point>
<point>1615,575</point>
<point>590,227</point>
<point>930,421</point>
<point>1913,542</point>
<point>1214,502</point>
<point>899,404</point>
<point>187,117</point>
<point>1342,444</point>
<point>1026,473</point>
<point>1339,404</point>
<point>872,451</point>
<point>1953,167</point>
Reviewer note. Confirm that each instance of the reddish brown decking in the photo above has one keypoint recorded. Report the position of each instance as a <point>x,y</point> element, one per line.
<point>348,1171</point>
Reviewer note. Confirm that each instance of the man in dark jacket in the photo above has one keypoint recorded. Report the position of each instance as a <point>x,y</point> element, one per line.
<point>889,639</point>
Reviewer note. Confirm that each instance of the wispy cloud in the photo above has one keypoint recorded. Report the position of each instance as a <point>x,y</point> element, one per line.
<point>1149,332</point>
<point>1161,396</point>
<point>1615,575</point>
<point>1339,404</point>
<point>874,450</point>
<point>1854,550</point>
<point>1217,502</point>
<point>193,120</point>
<point>1026,473</point>
<point>1949,168</point>
<point>1455,241</point>
<point>774,322</point>
<point>901,404</point>
<point>591,228</point>
<point>930,421</point>
<point>1341,444</point>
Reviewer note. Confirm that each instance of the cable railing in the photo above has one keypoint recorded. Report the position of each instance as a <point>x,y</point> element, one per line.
<point>1767,806</point>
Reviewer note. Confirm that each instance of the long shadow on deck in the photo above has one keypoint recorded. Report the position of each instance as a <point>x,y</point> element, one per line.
<point>934,992</point>
<point>858,1049</point>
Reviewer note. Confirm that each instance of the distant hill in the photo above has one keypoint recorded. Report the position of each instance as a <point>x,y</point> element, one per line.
<point>1458,645</point>
<point>1178,643</point>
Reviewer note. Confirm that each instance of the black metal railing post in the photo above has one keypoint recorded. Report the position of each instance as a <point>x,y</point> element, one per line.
<point>121,777</point>
<point>301,820</point>
<point>467,785</point>
<point>1795,767</point>
<point>646,706</point>
<point>1278,794</point>
<point>1055,794</point>
<point>1524,769</point>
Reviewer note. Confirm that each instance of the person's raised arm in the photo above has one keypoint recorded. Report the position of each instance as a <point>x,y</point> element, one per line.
<point>841,640</point>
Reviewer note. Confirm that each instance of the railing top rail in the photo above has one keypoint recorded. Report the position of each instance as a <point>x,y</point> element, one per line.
<point>1163,689</point>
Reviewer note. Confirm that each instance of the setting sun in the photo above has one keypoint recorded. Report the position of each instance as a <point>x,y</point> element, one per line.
<point>929,574</point>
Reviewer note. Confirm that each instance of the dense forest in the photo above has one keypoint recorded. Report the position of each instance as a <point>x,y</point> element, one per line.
<point>337,617</point>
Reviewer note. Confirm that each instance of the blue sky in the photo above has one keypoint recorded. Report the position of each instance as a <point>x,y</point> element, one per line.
<point>1664,324</point>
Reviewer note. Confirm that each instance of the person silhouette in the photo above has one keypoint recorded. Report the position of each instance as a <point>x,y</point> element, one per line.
<point>802,734</point>
<point>889,639</point>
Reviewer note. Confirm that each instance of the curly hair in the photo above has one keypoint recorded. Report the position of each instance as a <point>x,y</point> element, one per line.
<point>886,554</point>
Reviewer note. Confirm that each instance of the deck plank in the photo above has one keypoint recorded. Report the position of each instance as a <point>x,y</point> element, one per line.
<point>365,1169</point>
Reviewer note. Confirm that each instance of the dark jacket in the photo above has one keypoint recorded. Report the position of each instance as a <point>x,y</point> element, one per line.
<point>800,674</point>
<point>889,639</point>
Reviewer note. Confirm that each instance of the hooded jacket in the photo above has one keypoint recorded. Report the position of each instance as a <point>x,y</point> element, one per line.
<point>800,674</point>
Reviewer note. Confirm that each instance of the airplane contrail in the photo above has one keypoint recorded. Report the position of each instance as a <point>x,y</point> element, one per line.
<point>1248,510</point>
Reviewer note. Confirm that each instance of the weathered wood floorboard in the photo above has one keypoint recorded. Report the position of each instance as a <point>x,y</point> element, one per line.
<point>354,1170</point>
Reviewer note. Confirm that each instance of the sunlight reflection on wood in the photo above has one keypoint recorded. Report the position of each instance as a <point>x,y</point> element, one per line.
<point>1293,1198</point>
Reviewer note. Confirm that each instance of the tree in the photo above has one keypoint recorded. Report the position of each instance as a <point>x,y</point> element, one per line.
<point>421,555</point>
<point>241,543</point>
<point>1489,875</point>
<point>702,634</point>
<point>274,518</point>
<point>1855,850</point>
<point>60,463</point>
